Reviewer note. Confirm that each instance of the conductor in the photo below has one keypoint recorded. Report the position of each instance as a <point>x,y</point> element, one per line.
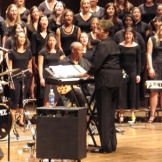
<point>108,75</point>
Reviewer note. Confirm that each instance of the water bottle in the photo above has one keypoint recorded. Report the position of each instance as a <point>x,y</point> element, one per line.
<point>51,98</point>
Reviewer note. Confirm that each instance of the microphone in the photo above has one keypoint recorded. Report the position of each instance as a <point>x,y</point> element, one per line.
<point>4,49</point>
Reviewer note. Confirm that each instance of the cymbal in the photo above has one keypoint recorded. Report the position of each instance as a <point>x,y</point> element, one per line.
<point>8,71</point>
<point>4,83</point>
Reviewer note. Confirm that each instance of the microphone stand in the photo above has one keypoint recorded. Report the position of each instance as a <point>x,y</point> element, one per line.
<point>9,117</point>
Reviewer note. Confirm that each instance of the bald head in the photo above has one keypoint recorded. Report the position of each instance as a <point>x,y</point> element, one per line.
<point>76,50</point>
<point>75,45</point>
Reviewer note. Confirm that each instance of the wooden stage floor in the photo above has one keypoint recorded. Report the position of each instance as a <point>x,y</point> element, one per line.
<point>141,142</point>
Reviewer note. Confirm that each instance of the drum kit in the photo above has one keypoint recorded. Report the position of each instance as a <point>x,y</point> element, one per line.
<point>5,112</point>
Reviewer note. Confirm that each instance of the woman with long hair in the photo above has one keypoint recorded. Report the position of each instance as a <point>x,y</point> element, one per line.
<point>16,29</point>
<point>33,23</point>
<point>155,23</point>
<point>93,34</point>
<point>154,60</point>
<point>38,42</point>
<point>12,17</point>
<point>159,10</point>
<point>55,20</point>
<point>67,33</point>
<point>128,21</point>
<point>88,49</point>
<point>123,7</point>
<point>84,18</point>
<point>48,56</point>
<point>46,7</point>
<point>32,27</point>
<point>20,57</point>
<point>23,11</point>
<point>130,61</point>
<point>111,14</point>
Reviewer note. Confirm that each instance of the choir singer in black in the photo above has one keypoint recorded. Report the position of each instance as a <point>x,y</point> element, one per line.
<point>108,75</point>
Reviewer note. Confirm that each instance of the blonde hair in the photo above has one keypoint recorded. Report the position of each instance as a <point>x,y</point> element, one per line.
<point>127,5</point>
<point>81,3</point>
<point>8,18</point>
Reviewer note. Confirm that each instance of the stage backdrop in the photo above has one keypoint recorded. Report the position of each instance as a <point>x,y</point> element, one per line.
<point>72,4</point>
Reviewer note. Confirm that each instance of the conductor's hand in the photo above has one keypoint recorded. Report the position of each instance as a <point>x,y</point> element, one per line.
<point>84,75</point>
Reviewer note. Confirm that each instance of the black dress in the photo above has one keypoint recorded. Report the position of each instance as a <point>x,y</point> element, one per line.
<point>10,28</point>
<point>99,13</point>
<point>19,60</point>
<point>84,25</point>
<point>94,42</point>
<point>43,7</point>
<point>119,37</point>
<point>108,75</point>
<point>148,13</point>
<point>122,13</point>
<point>24,15</point>
<point>157,61</point>
<point>37,43</point>
<point>53,26</point>
<point>8,43</point>
<point>67,39</point>
<point>49,60</point>
<point>130,61</point>
<point>89,54</point>
<point>141,28</point>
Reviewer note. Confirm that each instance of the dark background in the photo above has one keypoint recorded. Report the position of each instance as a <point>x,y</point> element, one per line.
<point>72,4</point>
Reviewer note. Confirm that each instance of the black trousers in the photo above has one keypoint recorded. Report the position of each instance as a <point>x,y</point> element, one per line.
<point>107,101</point>
<point>17,95</point>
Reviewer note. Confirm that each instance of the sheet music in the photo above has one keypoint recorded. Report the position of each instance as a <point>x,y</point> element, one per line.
<point>66,71</point>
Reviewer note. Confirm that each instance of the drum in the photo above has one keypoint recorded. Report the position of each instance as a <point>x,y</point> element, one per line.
<point>4,126</point>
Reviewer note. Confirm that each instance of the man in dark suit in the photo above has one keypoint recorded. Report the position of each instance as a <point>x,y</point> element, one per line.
<point>108,75</point>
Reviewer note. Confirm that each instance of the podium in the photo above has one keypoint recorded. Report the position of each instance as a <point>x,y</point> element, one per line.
<point>61,133</point>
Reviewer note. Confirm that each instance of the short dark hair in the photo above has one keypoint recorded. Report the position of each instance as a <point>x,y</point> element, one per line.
<point>129,15</point>
<point>107,26</point>
<point>152,0</point>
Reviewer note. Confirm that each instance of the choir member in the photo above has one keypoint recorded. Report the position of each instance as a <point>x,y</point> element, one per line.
<point>20,57</point>
<point>84,18</point>
<point>67,33</point>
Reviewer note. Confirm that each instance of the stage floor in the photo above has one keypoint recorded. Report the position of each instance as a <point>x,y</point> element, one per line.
<point>141,142</point>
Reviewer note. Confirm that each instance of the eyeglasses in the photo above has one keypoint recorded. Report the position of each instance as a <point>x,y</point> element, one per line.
<point>100,30</point>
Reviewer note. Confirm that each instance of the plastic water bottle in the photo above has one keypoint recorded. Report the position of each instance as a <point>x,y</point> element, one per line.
<point>51,98</point>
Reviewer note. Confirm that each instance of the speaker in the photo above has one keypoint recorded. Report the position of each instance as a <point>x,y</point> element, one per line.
<point>1,154</point>
<point>61,133</point>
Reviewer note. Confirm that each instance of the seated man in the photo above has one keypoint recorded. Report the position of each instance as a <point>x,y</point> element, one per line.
<point>75,58</point>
